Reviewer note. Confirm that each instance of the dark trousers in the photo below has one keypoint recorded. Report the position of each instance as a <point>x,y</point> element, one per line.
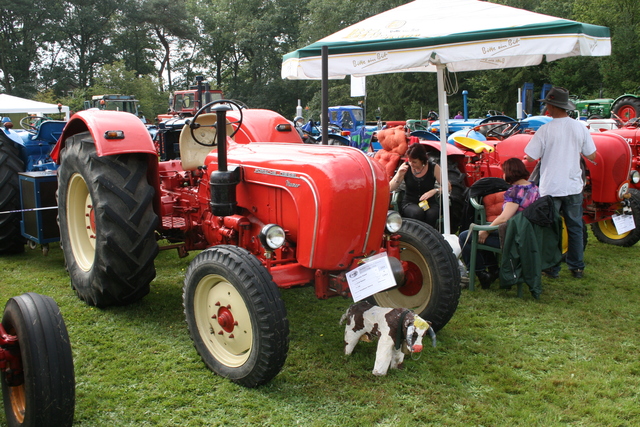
<point>484,259</point>
<point>430,216</point>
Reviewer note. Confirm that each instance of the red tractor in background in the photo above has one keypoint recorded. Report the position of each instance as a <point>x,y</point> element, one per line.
<point>186,103</point>
<point>266,210</point>
<point>607,180</point>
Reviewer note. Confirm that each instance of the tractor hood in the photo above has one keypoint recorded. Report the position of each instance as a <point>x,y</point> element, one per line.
<point>331,200</point>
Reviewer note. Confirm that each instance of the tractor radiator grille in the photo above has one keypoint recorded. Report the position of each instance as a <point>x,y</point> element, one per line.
<point>173,222</point>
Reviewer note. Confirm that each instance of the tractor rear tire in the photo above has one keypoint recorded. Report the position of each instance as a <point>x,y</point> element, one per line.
<point>45,395</point>
<point>626,108</point>
<point>605,231</point>
<point>107,223</point>
<point>432,286</point>
<point>11,240</point>
<point>235,315</point>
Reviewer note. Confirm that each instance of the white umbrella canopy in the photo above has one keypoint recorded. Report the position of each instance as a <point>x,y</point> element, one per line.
<point>466,35</point>
<point>12,104</point>
<point>459,35</point>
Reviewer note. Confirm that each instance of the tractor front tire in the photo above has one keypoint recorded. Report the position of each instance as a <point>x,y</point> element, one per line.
<point>235,315</point>
<point>107,223</point>
<point>45,393</point>
<point>432,277</point>
<point>11,240</point>
<point>627,108</point>
<point>605,231</point>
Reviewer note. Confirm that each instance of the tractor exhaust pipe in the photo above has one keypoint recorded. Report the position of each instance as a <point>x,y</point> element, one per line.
<point>223,182</point>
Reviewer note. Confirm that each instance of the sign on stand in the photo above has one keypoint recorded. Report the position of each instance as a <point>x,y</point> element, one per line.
<point>373,276</point>
<point>623,223</point>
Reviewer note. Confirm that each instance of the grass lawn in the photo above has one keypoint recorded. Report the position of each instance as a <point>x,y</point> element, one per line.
<point>570,358</point>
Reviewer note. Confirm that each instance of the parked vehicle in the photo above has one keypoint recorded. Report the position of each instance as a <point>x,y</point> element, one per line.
<point>127,103</point>
<point>624,107</point>
<point>26,150</point>
<point>36,363</point>
<point>605,231</point>
<point>311,133</point>
<point>266,215</point>
<point>607,191</point>
<point>185,103</point>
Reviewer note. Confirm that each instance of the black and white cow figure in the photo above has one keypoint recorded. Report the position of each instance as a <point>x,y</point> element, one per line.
<point>393,326</point>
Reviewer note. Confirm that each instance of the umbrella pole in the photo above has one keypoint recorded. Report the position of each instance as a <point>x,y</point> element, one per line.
<point>444,167</point>
<point>324,119</point>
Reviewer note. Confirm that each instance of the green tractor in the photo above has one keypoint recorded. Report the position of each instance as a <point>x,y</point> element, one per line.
<point>625,107</point>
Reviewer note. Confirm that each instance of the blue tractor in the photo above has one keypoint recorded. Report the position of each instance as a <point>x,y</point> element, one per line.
<point>28,183</point>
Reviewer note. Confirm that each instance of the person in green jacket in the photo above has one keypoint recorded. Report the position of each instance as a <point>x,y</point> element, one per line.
<point>520,195</point>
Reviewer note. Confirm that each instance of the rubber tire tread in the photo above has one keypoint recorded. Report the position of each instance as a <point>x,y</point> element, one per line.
<point>126,247</point>
<point>47,360</point>
<point>263,301</point>
<point>443,265</point>
<point>11,240</point>
<point>634,235</point>
<point>627,100</point>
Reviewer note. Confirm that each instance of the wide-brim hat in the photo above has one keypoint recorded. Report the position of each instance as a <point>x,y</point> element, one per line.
<point>559,97</point>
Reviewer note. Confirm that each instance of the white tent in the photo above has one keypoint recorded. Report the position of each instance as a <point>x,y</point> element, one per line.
<point>12,104</point>
<point>459,35</point>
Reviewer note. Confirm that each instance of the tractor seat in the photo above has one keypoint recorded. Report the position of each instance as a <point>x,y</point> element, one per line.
<point>473,144</point>
<point>192,154</point>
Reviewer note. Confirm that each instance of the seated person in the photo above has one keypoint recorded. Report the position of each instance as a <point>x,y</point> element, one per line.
<point>520,195</point>
<point>419,186</point>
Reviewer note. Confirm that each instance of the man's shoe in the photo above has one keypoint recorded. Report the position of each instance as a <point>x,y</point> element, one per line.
<point>485,278</point>
<point>577,273</point>
<point>550,274</point>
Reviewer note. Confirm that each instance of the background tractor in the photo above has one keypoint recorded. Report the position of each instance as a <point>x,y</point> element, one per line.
<point>607,189</point>
<point>624,107</point>
<point>266,210</point>
<point>186,103</point>
<point>25,156</point>
<point>127,103</point>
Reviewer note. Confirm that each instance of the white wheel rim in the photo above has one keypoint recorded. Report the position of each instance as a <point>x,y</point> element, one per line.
<point>79,222</point>
<point>223,321</point>
<point>395,297</point>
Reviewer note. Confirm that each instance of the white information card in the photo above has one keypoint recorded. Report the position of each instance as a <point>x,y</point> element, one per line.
<point>623,223</point>
<point>373,276</point>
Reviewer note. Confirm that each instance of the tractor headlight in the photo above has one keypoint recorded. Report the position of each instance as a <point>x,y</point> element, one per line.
<point>634,176</point>
<point>624,188</point>
<point>394,221</point>
<point>272,236</point>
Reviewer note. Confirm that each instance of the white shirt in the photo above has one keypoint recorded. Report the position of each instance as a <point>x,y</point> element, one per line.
<point>558,144</point>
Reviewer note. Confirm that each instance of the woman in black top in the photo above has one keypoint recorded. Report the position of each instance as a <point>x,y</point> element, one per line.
<point>419,186</point>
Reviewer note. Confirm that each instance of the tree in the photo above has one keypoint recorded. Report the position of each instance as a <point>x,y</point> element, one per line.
<point>169,21</point>
<point>620,71</point>
<point>116,79</point>
<point>24,28</point>
<point>88,28</point>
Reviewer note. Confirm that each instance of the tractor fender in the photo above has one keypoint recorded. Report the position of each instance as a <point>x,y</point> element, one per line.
<point>611,168</point>
<point>98,122</point>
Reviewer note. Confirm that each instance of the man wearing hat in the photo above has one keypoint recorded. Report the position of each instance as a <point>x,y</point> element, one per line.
<point>559,144</point>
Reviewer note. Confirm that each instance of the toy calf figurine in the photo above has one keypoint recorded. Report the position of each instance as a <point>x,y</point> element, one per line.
<point>393,327</point>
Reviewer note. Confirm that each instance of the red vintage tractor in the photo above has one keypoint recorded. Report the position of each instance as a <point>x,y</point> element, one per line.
<point>266,210</point>
<point>608,179</point>
<point>605,231</point>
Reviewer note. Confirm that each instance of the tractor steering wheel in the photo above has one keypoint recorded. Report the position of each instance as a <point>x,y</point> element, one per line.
<point>503,130</point>
<point>31,123</point>
<point>193,124</point>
